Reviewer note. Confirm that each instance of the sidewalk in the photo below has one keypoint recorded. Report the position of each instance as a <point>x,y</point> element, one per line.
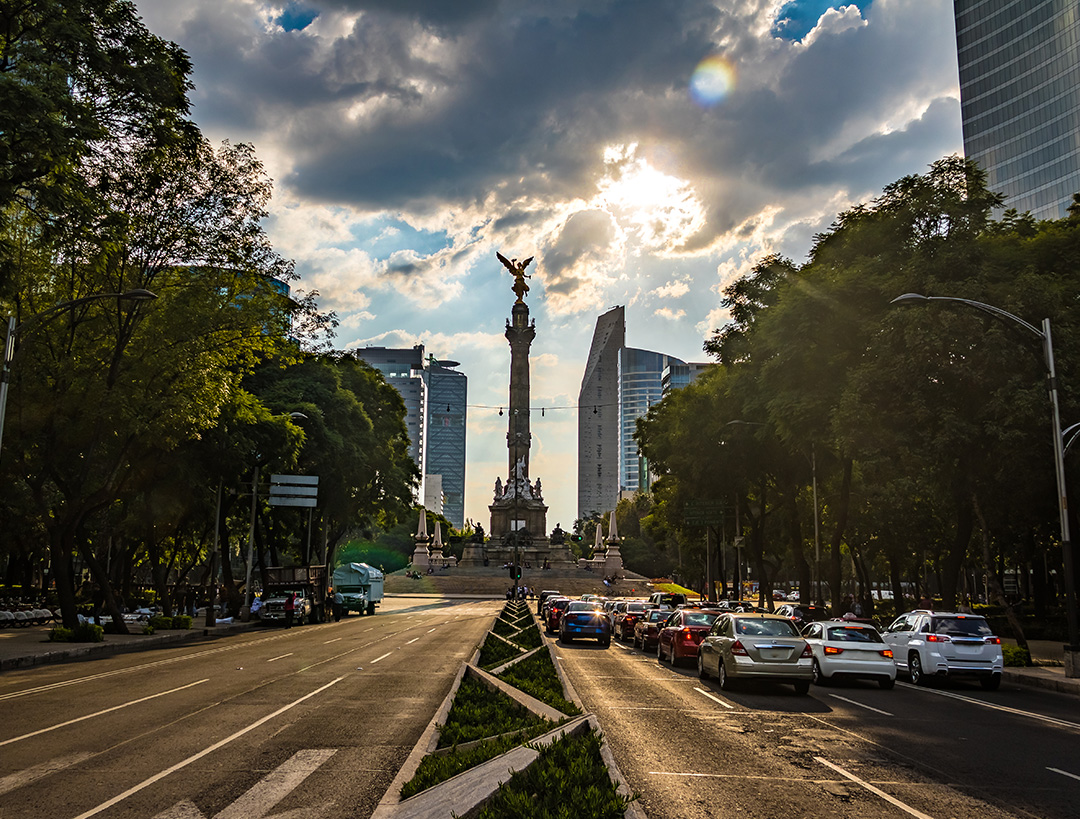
<point>23,647</point>
<point>1048,671</point>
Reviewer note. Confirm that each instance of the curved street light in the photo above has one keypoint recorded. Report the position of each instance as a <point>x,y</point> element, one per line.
<point>1072,650</point>
<point>13,330</point>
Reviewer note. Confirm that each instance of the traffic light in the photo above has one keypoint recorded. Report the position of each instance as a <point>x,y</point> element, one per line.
<point>515,571</point>
<point>576,538</point>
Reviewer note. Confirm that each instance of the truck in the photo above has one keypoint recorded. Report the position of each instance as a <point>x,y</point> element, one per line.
<point>308,583</point>
<point>360,585</point>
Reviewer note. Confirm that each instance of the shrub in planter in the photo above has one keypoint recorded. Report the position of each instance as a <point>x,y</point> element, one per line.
<point>495,652</point>
<point>87,632</point>
<point>1015,656</point>
<point>59,634</point>
<point>159,621</point>
<point>528,639</point>
<point>181,621</point>
<point>147,629</point>
<point>536,676</point>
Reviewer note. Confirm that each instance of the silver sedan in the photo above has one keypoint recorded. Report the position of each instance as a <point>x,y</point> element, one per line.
<point>763,647</point>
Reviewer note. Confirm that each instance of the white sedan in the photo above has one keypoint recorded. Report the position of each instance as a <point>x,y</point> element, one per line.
<point>845,649</point>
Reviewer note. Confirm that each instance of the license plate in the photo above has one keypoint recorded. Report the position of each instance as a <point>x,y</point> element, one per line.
<point>774,653</point>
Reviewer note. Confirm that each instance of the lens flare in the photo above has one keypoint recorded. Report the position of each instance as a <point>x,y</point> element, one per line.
<point>712,80</point>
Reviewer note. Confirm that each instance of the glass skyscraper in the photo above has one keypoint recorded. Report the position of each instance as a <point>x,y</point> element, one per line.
<point>448,391</point>
<point>598,417</point>
<point>1020,98</point>
<point>640,386</point>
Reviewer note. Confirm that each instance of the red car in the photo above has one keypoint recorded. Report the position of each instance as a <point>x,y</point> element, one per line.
<point>647,628</point>
<point>627,619</point>
<point>682,634</point>
<point>553,609</point>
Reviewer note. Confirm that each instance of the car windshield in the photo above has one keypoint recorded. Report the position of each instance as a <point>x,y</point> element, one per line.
<point>699,618</point>
<point>853,634</point>
<point>635,607</point>
<point>579,605</point>
<point>752,626</point>
<point>961,626</point>
<point>656,615</point>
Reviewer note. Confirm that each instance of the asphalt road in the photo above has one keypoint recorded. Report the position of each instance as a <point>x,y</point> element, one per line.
<point>846,750</point>
<point>309,722</point>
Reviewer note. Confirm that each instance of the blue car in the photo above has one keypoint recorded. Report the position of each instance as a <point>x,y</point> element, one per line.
<point>584,619</point>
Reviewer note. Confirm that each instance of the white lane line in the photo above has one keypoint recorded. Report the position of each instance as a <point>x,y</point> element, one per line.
<point>383,657</point>
<point>209,750</point>
<point>1052,720</point>
<point>862,705</point>
<point>892,800</point>
<point>99,713</point>
<point>1064,773</point>
<point>727,705</point>
<point>369,629</point>
<point>327,642</point>
<point>413,640</point>
<point>740,776</point>
<point>22,778</point>
<point>262,798</point>
<point>282,657</point>
<point>430,630</point>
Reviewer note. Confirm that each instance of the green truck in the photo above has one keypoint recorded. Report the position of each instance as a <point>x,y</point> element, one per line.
<point>360,586</point>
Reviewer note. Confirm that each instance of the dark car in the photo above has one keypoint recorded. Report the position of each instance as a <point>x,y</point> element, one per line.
<point>584,619</point>
<point>647,629</point>
<point>671,599</point>
<point>682,634</point>
<point>553,609</point>
<point>802,614</point>
<point>626,620</point>
<point>544,595</point>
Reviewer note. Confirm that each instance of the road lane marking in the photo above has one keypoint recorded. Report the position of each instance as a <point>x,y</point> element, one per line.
<point>383,657</point>
<point>327,642</point>
<point>747,776</point>
<point>1064,773</point>
<point>431,630</point>
<point>1052,720</point>
<point>862,705</point>
<point>282,657</point>
<point>413,640</point>
<point>99,713</point>
<point>196,757</point>
<point>17,780</point>
<point>727,705</point>
<point>892,800</point>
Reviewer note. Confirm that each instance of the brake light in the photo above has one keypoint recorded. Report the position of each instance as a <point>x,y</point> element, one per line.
<point>832,650</point>
<point>686,634</point>
<point>994,641</point>
<point>738,648</point>
<point>886,652</point>
<point>806,652</point>
<point>938,638</point>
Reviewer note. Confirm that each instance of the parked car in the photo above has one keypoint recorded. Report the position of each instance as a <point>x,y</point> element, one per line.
<point>760,647</point>
<point>671,599</point>
<point>682,632</point>
<point>802,614</point>
<point>647,629</point>
<point>544,595</point>
<point>626,621</point>
<point>585,619</point>
<point>927,644</point>
<point>553,609</point>
<point>845,649</point>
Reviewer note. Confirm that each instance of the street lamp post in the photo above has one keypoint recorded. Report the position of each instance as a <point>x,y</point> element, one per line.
<point>1072,650</point>
<point>14,330</point>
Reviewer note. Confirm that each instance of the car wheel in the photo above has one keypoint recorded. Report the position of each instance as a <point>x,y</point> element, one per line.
<point>566,638</point>
<point>701,672</point>
<point>726,683</point>
<point>915,669</point>
<point>802,687</point>
<point>991,683</point>
<point>819,678</point>
<point>605,642</point>
<point>887,682</point>
<point>659,652</point>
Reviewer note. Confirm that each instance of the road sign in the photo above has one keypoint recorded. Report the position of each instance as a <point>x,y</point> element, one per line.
<point>703,512</point>
<point>294,490</point>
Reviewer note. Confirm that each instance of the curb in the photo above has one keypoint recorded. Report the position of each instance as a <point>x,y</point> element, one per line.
<point>1063,685</point>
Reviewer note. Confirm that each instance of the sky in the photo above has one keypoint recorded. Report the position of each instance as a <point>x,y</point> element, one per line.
<point>646,152</point>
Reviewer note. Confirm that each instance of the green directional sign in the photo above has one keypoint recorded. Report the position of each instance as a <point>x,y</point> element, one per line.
<point>703,512</point>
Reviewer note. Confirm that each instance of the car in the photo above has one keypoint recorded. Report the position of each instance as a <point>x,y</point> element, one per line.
<point>850,650</point>
<point>647,629</point>
<point>544,595</point>
<point>682,632</point>
<point>928,644</point>
<point>756,647</point>
<point>741,605</point>
<point>584,618</point>
<point>626,620</point>
<point>671,599</point>
<point>553,609</point>
<point>802,614</point>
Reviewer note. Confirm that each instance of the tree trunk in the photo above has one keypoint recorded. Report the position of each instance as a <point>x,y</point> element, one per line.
<point>996,592</point>
<point>798,550</point>
<point>60,559</point>
<point>101,577</point>
<point>836,568</point>
<point>955,558</point>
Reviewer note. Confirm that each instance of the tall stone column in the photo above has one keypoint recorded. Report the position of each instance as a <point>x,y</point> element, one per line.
<point>520,333</point>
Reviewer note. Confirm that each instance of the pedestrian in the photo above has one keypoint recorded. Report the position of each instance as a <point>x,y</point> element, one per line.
<point>339,601</point>
<point>290,607</point>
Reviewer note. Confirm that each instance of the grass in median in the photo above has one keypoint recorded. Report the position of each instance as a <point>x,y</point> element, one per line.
<point>503,628</point>
<point>536,676</point>
<point>568,780</point>
<point>495,652</point>
<point>528,639</point>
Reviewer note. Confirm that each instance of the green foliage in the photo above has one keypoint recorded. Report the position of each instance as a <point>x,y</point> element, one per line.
<point>147,629</point>
<point>436,768</point>
<point>495,652</point>
<point>1015,655</point>
<point>59,634</point>
<point>529,638</point>
<point>160,621</point>
<point>536,676</point>
<point>181,621</point>
<point>479,712</point>
<point>85,632</point>
<point>568,780</point>
<point>503,628</point>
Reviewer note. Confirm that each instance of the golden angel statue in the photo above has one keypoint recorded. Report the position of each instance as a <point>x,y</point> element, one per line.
<point>520,288</point>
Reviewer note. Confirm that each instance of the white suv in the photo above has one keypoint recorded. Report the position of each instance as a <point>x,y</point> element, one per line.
<point>947,644</point>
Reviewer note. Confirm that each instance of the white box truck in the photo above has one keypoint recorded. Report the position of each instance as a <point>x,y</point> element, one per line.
<point>361,587</point>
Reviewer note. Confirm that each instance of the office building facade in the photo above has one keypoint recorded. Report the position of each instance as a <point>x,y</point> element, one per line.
<point>403,369</point>
<point>640,386</point>
<point>598,417</point>
<point>1019,64</point>
<point>448,392</point>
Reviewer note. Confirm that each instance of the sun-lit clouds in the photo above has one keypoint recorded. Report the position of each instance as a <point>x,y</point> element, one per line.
<point>673,289</point>
<point>669,314</point>
<point>580,258</point>
<point>835,21</point>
